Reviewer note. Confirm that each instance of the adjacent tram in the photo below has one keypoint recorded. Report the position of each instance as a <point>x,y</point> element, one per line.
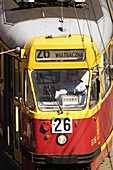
<point>44,121</point>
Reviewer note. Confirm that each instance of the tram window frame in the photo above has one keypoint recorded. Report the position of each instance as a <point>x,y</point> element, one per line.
<point>105,73</point>
<point>28,92</point>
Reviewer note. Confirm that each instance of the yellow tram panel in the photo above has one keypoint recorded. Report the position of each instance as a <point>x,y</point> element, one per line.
<point>53,43</point>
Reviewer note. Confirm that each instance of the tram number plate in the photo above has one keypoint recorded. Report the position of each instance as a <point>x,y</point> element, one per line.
<point>62,125</point>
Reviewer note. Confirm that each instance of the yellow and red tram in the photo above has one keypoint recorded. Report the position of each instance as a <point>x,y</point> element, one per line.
<point>42,123</point>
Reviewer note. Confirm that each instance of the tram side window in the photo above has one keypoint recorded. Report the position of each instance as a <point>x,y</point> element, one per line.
<point>20,94</point>
<point>95,89</point>
<point>111,1</point>
<point>29,102</point>
<point>105,73</point>
<point>105,81</point>
<point>17,80</point>
<point>16,126</point>
<point>110,4</point>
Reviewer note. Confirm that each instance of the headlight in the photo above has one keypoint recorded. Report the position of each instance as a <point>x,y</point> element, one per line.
<point>62,139</point>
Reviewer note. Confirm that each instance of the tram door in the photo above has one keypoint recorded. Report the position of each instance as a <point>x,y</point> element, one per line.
<point>17,110</point>
<point>12,74</point>
<point>8,118</point>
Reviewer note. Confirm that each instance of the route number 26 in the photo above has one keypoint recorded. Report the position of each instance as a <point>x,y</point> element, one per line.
<point>61,125</point>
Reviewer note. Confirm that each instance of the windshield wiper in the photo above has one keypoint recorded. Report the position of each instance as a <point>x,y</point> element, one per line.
<point>60,111</point>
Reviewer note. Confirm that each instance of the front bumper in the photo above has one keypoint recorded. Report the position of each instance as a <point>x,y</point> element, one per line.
<point>61,159</point>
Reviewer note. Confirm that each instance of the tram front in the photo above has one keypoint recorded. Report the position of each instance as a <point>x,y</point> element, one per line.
<point>57,95</point>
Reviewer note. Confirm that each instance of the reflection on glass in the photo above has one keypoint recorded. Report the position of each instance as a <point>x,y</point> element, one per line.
<point>61,88</point>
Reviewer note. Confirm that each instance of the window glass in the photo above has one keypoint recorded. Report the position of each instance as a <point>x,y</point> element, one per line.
<point>105,81</point>
<point>16,127</point>
<point>105,72</point>
<point>29,102</point>
<point>95,89</point>
<point>10,72</point>
<point>20,94</point>
<point>61,89</point>
<point>106,57</point>
<point>16,79</point>
<point>111,1</point>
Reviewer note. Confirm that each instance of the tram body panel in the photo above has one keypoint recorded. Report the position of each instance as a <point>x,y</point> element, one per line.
<point>75,141</point>
<point>100,159</point>
<point>82,133</point>
<point>106,132</point>
<point>106,124</point>
<point>88,130</point>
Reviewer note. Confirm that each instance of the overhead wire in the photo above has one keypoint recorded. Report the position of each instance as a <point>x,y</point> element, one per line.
<point>82,36</point>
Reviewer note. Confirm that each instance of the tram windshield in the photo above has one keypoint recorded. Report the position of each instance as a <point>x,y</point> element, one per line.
<point>61,89</point>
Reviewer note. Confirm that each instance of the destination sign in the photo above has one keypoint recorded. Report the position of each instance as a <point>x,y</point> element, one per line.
<point>60,55</point>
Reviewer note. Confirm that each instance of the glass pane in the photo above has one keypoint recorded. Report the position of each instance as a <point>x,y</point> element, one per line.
<point>10,73</point>
<point>94,90</point>
<point>111,1</point>
<point>28,92</point>
<point>16,127</point>
<point>20,95</point>
<point>16,79</point>
<point>67,88</point>
<point>106,81</point>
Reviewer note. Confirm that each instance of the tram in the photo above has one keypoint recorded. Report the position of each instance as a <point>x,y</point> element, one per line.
<point>45,121</point>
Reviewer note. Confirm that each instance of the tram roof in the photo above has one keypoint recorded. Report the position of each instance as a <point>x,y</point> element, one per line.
<point>19,25</point>
<point>14,12</point>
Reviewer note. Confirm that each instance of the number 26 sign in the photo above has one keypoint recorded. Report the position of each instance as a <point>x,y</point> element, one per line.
<point>62,125</point>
